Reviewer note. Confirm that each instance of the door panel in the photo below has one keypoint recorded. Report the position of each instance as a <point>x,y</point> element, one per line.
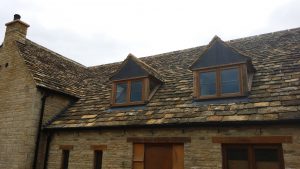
<point>237,158</point>
<point>178,156</point>
<point>266,158</point>
<point>158,156</point>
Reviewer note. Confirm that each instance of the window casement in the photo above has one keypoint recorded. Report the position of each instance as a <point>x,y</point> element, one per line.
<point>256,152</point>
<point>65,155</point>
<point>98,159</point>
<point>252,156</point>
<point>98,155</point>
<point>220,82</point>
<point>130,92</point>
<point>65,159</point>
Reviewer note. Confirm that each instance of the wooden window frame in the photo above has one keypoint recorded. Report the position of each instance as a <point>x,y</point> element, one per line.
<point>253,140</point>
<point>218,70</point>
<point>98,159</point>
<point>96,149</point>
<point>64,149</point>
<point>251,155</point>
<point>145,92</point>
<point>216,87</point>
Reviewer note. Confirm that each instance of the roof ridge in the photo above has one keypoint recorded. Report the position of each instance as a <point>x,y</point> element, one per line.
<point>145,57</point>
<point>263,34</point>
<point>103,65</point>
<point>175,51</point>
<point>55,53</point>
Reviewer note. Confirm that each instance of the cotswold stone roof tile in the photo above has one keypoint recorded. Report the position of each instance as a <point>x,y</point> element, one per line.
<point>274,96</point>
<point>53,71</point>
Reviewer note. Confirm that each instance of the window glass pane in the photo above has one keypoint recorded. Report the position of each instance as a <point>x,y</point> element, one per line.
<point>267,158</point>
<point>208,83</point>
<point>98,159</point>
<point>121,93</point>
<point>65,159</point>
<point>230,82</point>
<point>237,158</point>
<point>136,91</point>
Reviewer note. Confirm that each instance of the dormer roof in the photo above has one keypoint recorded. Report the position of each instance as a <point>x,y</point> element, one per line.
<point>219,53</point>
<point>133,67</point>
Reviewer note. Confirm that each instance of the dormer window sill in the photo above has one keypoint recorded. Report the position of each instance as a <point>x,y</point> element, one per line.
<point>224,100</point>
<point>129,104</point>
<point>225,96</point>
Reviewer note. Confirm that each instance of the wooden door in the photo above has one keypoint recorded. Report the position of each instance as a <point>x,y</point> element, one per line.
<point>158,156</point>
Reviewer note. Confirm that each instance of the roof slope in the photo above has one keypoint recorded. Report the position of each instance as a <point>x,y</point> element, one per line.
<point>53,71</point>
<point>275,91</point>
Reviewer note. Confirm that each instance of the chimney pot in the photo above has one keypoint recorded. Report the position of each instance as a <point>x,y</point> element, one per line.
<point>17,17</point>
<point>16,30</point>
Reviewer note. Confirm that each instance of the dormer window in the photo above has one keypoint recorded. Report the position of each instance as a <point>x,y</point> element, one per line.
<point>134,83</point>
<point>219,82</point>
<point>130,91</point>
<point>221,72</point>
<point>230,81</point>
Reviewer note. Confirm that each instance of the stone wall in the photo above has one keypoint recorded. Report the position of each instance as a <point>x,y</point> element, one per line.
<point>20,103</point>
<point>200,153</point>
<point>19,110</point>
<point>55,103</point>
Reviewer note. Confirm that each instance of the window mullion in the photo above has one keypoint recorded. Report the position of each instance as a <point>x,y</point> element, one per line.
<point>280,156</point>
<point>218,88</point>
<point>224,158</point>
<point>114,93</point>
<point>241,72</point>
<point>144,89</point>
<point>128,91</point>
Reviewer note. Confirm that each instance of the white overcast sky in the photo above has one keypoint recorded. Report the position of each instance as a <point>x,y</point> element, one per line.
<point>94,32</point>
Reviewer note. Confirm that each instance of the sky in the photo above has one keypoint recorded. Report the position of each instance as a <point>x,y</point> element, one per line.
<point>95,32</point>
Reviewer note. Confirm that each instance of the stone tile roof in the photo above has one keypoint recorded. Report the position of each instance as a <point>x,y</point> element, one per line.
<point>275,93</point>
<point>53,71</point>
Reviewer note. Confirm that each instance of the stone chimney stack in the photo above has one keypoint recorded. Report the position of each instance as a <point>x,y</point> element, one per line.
<point>16,30</point>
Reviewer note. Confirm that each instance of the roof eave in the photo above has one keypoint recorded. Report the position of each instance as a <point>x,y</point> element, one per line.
<point>182,125</point>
